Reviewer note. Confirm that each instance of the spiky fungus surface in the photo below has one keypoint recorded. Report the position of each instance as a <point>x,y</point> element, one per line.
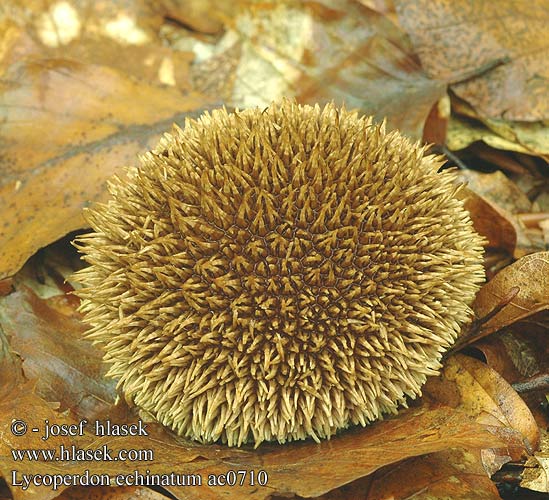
<point>277,274</point>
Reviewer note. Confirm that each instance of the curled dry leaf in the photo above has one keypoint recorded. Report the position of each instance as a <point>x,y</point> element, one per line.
<point>530,275</point>
<point>518,353</point>
<point>506,199</point>
<point>492,52</point>
<point>525,348</point>
<point>498,357</point>
<point>467,126</point>
<point>94,127</point>
<point>522,137</point>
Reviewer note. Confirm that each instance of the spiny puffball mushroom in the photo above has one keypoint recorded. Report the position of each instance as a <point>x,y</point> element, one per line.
<point>278,274</point>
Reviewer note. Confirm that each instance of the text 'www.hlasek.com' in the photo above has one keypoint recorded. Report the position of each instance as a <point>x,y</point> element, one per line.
<point>26,472</point>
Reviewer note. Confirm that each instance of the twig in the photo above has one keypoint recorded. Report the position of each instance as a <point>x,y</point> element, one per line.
<point>454,158</point>
<point>539,382</point>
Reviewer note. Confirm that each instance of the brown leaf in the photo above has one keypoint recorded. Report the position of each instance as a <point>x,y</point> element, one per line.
<point>47,336</point>
<point>63,24</point>
<point>466,126</point>
<point>206,16</point>
<point>518,352</point>
<point>536,472</point>
<point>482,393</point>
<point>498,357</point>
<point>436,124</point>
<point>110,493</point>
<point>498,189</point>
<point>530,275</point>
<point>96,119</point>
<point>478,391</point>
<point>21,402</point>
<point>492,52</point>
<point>507,200</point>
<point>123,37</point>
<point>490,221</point>
<point>360,58</point>
<point>306,469</point>
<point>322,51</point>
<point>317,469</point>
<point>6,286</point>
<point>457,474</point>
<point>302,468</point>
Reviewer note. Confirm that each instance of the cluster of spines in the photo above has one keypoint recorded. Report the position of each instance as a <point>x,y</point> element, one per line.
<point>277,275</point>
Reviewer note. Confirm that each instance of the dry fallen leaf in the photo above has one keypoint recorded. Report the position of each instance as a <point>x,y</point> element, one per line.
<point>97,120</point>
<point>522,137</point>
<point>110,493</point>
<point>530,275</point>
<point>454,474</point>
<point>469,385</point>
<point>88,85</point>
<point>481,392</point>
<point>50,344</point>
<point>490,221</point>
<point>306,469</point>
<point>493,53</point>
<point>498,209</point>
<point>317,52</point>
<point>536,472</point>
<point>518,352</point>
<point>497,188</point>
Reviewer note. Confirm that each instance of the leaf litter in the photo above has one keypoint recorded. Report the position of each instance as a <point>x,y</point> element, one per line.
<point>81,82</point>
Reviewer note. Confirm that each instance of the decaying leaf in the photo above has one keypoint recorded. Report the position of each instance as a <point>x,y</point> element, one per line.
<point>522,137</point>
<point>530,275</point>
<point>517,353</point>
<point>493,53</point>
<point>497,188</point>
<point>306,468</point>
<point>497,207</point>
<point>454,474</point>
<point>318,52</point>
<point>491,222</point>
<point>62,23</point>
<point>536,472</point>
<point>66,368</point>
<point>483,393</point>
<point>86,86</point>
<point>97,122</point>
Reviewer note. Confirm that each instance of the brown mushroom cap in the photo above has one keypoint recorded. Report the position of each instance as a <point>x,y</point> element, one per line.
<point>278,274</point>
